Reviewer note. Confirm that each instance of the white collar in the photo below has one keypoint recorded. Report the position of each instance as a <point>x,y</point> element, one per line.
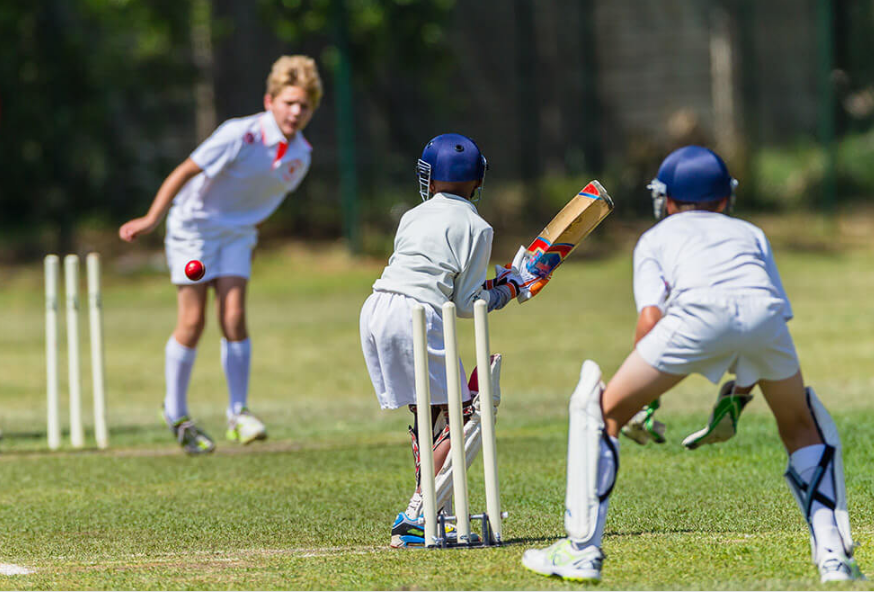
<point>270,132</point>
<point>454,198</point>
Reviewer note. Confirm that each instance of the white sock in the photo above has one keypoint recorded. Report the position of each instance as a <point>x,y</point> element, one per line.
<point>606,477</point>
<point>415,505</point>
<point>822,519</point>
<point>235,360</point>
<point>178,362</point>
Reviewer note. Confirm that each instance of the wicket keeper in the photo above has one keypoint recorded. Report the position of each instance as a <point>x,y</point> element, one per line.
<point>216,198</point>
<point>710,301</point>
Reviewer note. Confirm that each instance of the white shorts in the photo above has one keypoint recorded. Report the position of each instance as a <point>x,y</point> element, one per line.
<point>387,341</point>
<point>744,335</point>
<point>223,253</point>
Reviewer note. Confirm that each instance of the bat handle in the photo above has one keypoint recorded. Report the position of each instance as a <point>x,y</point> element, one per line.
<point>538,286</point>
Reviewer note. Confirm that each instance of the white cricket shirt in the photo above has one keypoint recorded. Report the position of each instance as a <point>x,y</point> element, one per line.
<point>697,250</point>
<point>248,169</point>
<point>441,252</point>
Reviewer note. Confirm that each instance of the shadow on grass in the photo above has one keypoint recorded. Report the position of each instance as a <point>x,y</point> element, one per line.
<point>521,541</point>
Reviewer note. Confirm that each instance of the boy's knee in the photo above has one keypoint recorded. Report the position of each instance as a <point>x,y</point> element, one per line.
<point>190,326</point>
<point>233,322</point>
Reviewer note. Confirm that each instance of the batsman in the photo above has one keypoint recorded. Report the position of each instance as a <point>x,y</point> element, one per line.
<point>441,254</point>
<point>710,301</point>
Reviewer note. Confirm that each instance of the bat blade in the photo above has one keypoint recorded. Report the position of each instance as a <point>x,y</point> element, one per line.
<point>570,226</point>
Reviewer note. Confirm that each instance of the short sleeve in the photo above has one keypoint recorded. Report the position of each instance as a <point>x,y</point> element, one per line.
<point>469,283</point>
<point>773,273</point>
<point>220,149</point>
<point>650,287</point>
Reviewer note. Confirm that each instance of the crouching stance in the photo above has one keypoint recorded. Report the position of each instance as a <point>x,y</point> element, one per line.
<point>710,301</point>
<point>441,254</point>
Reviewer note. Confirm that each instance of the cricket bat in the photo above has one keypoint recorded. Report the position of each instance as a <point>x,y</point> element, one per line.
<point>564,232</point>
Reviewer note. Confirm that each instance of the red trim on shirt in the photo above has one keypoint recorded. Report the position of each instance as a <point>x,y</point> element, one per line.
<point>280,152</point>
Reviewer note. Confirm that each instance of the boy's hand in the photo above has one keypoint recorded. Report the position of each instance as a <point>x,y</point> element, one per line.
<point>722,424</point>
<point>505,275</point>
<point>529,280</point>
<point>136,227</point>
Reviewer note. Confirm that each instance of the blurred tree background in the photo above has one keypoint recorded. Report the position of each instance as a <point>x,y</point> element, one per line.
<point>100,99</point>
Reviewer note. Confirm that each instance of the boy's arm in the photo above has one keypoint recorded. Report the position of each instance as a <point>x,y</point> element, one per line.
<point>168,190</point>
<point>647,320</point>
<point>469,282</point>
<point>651,289</point>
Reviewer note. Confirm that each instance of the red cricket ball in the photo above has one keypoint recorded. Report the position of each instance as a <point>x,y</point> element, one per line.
<point>195,270</point>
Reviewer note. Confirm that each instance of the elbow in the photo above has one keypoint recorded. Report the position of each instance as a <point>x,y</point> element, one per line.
<point>464,308</point>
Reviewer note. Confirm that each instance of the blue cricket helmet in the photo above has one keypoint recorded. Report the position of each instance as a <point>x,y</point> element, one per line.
<point>691,174</point>
<point>450,157</point>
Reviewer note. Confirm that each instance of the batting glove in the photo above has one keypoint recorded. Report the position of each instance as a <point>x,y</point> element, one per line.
<point>529,280</point>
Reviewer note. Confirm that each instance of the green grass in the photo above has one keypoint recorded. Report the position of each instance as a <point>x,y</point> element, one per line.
<point>311,507</point>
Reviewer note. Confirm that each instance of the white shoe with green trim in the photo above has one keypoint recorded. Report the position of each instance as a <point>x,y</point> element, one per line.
<point>562,559</point>
<point>245,428</point>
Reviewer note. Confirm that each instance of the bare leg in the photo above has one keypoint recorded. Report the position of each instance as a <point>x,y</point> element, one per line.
<point>787,401</point>
<point>440,455</point>
<point>634,385</point>
<point>231,302</point>
<point>190,321</point>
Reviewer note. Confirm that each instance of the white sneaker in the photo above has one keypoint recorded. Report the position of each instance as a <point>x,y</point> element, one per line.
<point>836,566</point>
<point>564,560</point>
<point>245,428</point>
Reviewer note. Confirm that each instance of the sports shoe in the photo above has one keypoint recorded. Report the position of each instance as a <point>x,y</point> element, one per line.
<point>564,560</point>
<point>836,566</point>
<point>408,533</point>
<point>643,428</point>
<point>722,424</point>
<point>193,440</point>
<point>245,428</point>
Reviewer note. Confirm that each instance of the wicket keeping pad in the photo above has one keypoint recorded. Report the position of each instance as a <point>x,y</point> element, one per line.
<point>832,461</point>
<point>586,487</point>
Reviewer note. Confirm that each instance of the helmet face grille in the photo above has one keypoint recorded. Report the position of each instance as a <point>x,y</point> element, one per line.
<point>423,173</point>
<point>659,192</point>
